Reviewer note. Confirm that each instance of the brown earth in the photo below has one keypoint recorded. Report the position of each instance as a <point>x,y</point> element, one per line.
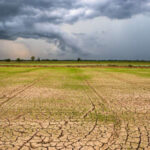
<point>109,112</point>
<point>75,66</point>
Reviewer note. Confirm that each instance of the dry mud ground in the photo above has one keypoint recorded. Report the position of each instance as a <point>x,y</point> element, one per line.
<point>74,109</point>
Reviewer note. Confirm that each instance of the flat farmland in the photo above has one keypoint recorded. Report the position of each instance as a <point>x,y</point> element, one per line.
<point>67,108</point>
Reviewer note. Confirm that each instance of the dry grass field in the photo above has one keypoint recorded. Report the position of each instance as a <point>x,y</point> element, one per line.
<point>74,108</point>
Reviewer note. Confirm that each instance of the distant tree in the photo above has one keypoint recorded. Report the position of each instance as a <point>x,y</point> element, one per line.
<point>38,59</point>
<point>79,59</point>
<point>18,59</point>
<point>8,60</point>
<point>45,60</point>
<point>54,59</point>
<point>33,58</point>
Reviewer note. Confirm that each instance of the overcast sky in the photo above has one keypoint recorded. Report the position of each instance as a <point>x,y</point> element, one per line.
<point>68,29</point>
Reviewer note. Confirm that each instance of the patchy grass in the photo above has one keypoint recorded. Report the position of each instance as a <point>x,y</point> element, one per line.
<point>110,118</point>
<point>64,91</point>
<point>108,63</point>
<point>135,71</point>
<point>72,103</point>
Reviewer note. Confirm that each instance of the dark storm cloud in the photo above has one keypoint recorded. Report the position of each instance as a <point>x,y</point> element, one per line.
<point>119,9</point>
<point>41,18</point>
<point>8,9</point>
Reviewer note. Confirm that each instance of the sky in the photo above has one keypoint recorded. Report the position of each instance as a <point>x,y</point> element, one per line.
<point>68,29</point>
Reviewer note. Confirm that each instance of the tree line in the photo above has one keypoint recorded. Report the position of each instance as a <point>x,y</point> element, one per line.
<point>33,58</point>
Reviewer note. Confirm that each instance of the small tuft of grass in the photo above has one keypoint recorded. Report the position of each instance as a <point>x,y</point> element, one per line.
<point>103,118</point>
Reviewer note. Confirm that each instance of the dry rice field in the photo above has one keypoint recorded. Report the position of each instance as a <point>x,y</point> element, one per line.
<point>74,108</point>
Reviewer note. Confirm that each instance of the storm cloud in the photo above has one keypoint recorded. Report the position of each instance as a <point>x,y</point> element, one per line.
<point>42,18</point>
